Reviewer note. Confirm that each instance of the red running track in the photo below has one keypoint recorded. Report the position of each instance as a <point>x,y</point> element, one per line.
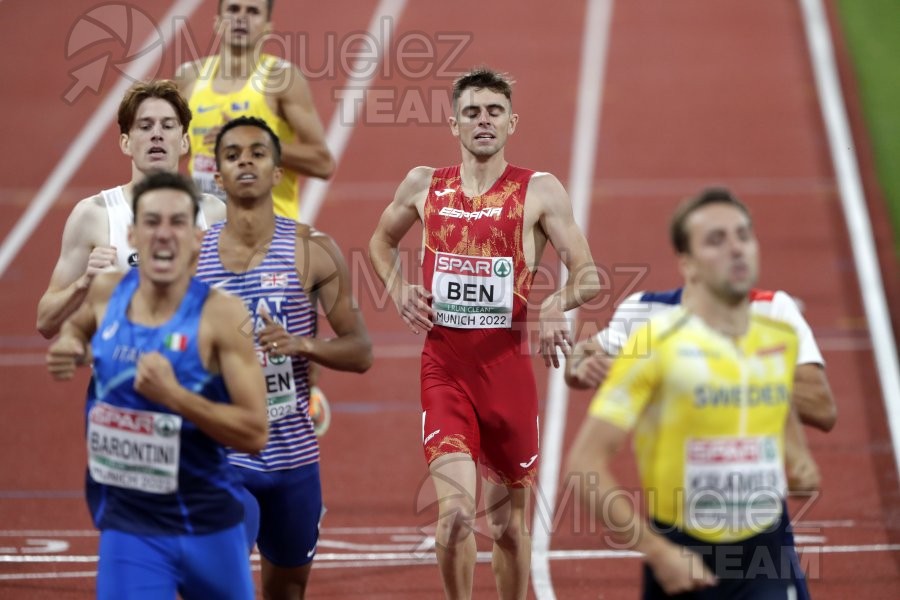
<point>696,92</point>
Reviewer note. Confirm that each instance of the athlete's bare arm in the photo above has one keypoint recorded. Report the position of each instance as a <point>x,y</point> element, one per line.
<point>397,219</point>
<point>186,75</point>
<point>72,349</point>
<point>549,218</point>
<point>242,424</point>
<point>307,154</point>
<point>800,466</point>
<point>326,278</point>
<point>812,397</point>
<point>596,444</point>
<point>85,252</point>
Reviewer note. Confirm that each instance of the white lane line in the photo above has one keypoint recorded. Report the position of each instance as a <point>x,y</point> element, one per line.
<point>399,559</point>
<point>595,43</point>
<point>859,226</point>
<point>84,143</point>
<point>352,101</point>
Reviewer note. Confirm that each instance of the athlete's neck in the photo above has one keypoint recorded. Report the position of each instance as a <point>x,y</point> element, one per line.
<point>478,175</point>
<point>249,223</point>
<point>138,176</point>
<point>153,304</point>
<point>730,318</point>
<point>236,63</point>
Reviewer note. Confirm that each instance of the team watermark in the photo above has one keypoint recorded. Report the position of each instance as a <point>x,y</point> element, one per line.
<point>761,547</point>
<point>382,76</point>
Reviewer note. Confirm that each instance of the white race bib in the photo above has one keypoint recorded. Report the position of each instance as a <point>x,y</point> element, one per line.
<point>733,484</point>
<point>281,390</point>
<point>472,292</point>
<point>134,449</point>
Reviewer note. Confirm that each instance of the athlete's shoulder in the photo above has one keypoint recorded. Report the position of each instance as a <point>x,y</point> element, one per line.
<point>213,208</point>
<point>317,238</point>
<point>665,325</point>
<point>277,65</point>
<point>775,324</point>
<point>666,297</point>
<point>417,180</point>
<point>643,305</point>
<point>187,73</point>
<point>541,181</point>
<point>89,221</point>
<point>423,173</point>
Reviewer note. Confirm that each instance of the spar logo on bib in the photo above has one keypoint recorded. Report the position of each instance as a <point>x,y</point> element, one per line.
<point>463,265</point>
<point>472,292</point>
<point>166,426</point>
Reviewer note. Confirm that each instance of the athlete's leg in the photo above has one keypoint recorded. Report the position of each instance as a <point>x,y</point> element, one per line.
<point>216,565</point>
<point>137,567</point>
<point>506,509</point>
<point>290,514</point>
<point>455,477</point>
<point>284,583</point>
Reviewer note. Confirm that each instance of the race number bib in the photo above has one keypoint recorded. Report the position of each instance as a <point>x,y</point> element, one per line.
<point>472,292</point>
<point>733,484</point>
<point>281,390</point>
<point>134,449</point>
<point>204,175</point>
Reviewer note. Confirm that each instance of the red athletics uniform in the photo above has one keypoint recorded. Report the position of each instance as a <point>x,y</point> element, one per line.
<point>478,388</point>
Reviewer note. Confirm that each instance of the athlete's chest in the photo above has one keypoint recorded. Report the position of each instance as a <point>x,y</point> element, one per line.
<point>708,378</point>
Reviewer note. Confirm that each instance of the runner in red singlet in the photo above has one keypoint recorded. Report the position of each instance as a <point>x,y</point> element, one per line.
<point>486,225</point>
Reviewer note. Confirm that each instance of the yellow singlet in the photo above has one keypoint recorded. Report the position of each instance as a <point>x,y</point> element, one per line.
<point>709,414</point>
<point>211,109</point>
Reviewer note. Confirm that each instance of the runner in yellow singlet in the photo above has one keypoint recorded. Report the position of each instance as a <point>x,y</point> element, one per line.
<point>706,387</point>
<point>241,81</point>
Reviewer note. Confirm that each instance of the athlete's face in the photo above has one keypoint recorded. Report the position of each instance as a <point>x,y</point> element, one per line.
<point>247,167</point>
<point>723,253</point>
<point>483,121</point>
<point>165,235</point>
<point>243,23</point>
<point>157,140</point>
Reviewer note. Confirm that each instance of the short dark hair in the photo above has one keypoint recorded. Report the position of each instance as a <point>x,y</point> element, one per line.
<point>165,181</point>
<point>712,195</point>
<point>269,4</point>
<point>483,78</point>
<point>249,122</point>
<point>164,89</point>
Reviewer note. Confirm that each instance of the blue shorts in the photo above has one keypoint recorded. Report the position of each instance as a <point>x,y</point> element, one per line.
<point>135,567</point>
<point>763,567</point>
<point>290,511</point>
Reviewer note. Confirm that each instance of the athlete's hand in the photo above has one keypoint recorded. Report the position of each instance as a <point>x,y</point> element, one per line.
<point>802,471</point>
<point>554,330</point>
<point>64,356</point>
<point>679,569</point>
<point>592,370</point>
<point>155,379</point>
<point>209,139</point>
<point>273,338</point>
<point>101,258</point>
<point>412,304</point>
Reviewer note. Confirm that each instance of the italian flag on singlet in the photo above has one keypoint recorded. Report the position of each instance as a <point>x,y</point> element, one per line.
<point>176,342</point>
